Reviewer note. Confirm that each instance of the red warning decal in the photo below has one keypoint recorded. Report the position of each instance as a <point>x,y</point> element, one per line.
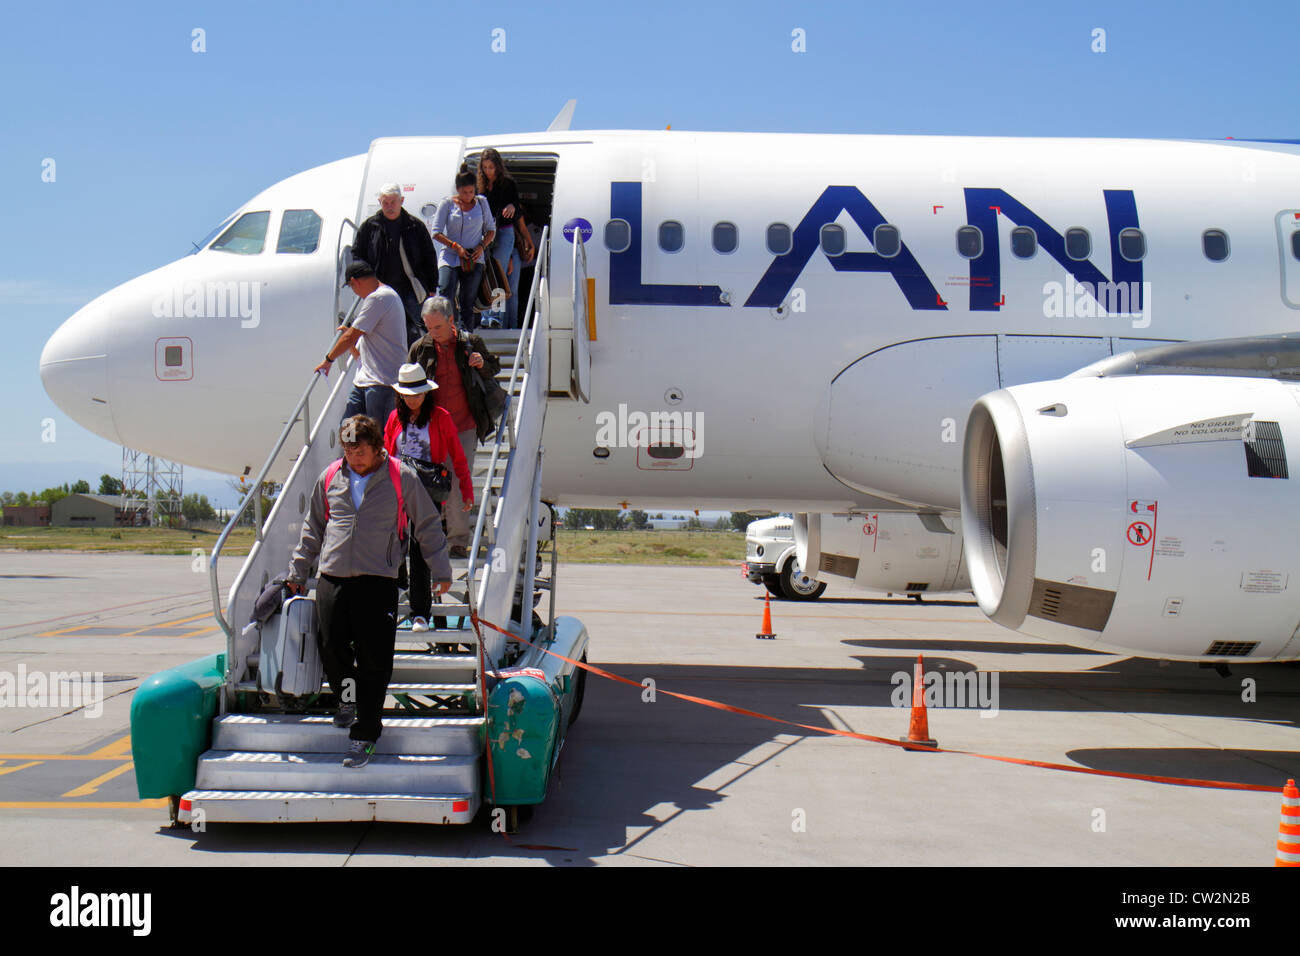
<point>869,529</point>
<point>1140,533</point>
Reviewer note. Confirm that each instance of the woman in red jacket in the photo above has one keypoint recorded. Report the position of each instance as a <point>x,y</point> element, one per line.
<point>418,428</point>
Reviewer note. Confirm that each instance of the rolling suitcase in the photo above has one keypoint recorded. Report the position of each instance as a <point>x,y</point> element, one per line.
<point>290,654</point>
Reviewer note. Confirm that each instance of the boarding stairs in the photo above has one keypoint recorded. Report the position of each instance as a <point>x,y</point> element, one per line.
<point>278,758</point>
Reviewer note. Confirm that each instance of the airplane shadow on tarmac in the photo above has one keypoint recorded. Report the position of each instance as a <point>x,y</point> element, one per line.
<point>630,767</point>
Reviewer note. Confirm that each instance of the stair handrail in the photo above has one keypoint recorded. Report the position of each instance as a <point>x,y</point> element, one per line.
<point>507,416</point>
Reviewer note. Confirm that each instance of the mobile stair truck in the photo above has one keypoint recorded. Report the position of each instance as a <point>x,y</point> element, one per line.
<point>473,714</point>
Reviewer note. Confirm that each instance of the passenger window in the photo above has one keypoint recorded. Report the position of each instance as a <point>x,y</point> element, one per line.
<point>1295,244</point>
<point>672,236</point>
<point>970,242</point>
<point>833,241</point>
<point>1078,244</point>
<point>1024,242</point>
<point>726,237</point>
<point>886,240</point>
<point>618,235</point>
<point>247,236</point>
<point>1215,244</point>
<point>299,232</point>
<point>1132,244</point>
<point>780,240</point>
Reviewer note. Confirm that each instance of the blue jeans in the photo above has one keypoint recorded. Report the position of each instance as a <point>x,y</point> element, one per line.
<point>502,249</point>
<point>377,401</point>
<point>461,288</point>
<point>514,305</point>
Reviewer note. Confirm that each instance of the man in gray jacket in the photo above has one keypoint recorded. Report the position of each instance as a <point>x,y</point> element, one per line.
<point>354,527</point>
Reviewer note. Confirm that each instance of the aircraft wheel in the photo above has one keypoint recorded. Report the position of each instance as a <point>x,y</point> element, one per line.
<point>797,586</point>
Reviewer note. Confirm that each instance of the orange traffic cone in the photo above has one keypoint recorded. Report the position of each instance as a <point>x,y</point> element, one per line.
<point>918,729</point>
<point>1288,829</point>
<point>766,633</point>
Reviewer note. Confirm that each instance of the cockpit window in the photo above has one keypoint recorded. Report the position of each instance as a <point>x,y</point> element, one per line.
<point>299,231</point>
<point>247,236</point>
<point>203,243</point>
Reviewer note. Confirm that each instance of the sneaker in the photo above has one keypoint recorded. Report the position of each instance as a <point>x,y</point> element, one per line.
<point>419,625</point>
<point>347,715</point>
<point>359,752</point>
<point>458,551</point>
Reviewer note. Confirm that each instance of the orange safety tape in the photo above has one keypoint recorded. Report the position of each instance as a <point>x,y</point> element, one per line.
<point>1046,765</point>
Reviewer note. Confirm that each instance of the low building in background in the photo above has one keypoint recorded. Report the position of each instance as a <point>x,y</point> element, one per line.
<point>97,511</point>
<point>27,516</point>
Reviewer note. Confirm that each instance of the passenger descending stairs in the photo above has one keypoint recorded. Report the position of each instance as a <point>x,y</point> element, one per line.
<point>279,759</point>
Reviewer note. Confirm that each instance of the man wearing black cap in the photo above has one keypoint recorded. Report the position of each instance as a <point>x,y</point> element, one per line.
<point>378,333</point>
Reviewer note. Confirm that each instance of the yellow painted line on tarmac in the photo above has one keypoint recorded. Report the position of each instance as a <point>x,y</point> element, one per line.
<point>86,789</point>
<point>118,748</point>
<point>21,766</point>
<point>83,805</point>
<point>60,757</point>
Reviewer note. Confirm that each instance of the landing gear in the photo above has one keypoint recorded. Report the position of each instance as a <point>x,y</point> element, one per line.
<point>797,586</point>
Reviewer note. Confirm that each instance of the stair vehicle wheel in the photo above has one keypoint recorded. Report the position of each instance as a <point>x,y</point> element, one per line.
<point>579,692</point>
<point>796,585</point>
<point>773,584</point>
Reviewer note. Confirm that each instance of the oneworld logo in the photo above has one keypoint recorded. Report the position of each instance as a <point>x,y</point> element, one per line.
<point>211,300</point>
<point>66,690</point>
<point>74,908</point>
<point>683,431</point>
<point>970,689</point>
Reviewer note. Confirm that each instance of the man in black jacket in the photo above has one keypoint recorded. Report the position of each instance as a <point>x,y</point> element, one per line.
<point>455,360</point>
<point>383,238</point>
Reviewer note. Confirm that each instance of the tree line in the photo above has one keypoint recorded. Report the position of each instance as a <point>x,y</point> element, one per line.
<point>193,507</point>
<point>611,519</point>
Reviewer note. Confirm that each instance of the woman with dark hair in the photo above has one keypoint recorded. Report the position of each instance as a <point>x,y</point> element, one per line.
<point>498,187</point>
<point>464,228</point>
<point>418,428</point>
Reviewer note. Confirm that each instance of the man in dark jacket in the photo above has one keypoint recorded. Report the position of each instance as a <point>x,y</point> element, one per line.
<point>454,360</point>
<point>383,238</point>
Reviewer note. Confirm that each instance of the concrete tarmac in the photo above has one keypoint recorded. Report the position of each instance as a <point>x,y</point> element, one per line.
<point>667,782</point>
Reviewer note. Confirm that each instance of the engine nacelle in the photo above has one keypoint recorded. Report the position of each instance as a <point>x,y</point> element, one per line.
<point>1149,515</point>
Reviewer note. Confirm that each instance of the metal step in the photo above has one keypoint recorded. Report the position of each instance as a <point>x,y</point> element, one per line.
<point>447,668</point>
<point>288,806</point>
<point>426,688</point>
<point>297,733</point>
<point>325,773</point>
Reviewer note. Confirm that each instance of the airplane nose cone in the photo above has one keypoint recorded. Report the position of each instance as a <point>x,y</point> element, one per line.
<point>74,370</point>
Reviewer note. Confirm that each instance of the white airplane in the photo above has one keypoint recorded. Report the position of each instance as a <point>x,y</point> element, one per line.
<point>836,318</point>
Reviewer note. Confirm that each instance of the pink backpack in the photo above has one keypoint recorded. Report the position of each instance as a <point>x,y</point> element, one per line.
<point>393,474</point>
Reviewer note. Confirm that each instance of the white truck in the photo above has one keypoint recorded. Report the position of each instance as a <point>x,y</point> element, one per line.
<point>903,553</point>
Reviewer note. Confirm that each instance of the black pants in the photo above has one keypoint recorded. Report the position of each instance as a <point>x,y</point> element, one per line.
<point>358,629</point>
<point>420,591</point>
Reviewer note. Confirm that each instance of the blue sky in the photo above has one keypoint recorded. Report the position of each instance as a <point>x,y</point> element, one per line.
<point>155,143</point>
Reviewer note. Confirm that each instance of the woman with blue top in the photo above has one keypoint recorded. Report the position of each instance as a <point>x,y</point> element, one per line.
<point>497,186</point>
<point>464,228</point>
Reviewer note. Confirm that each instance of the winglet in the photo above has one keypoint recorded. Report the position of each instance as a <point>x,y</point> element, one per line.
<point>564,117</point>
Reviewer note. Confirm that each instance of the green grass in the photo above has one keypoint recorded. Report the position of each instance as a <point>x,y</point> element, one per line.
<point>577,547</point>
<point>138,540</point>
<point>651,547</point>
